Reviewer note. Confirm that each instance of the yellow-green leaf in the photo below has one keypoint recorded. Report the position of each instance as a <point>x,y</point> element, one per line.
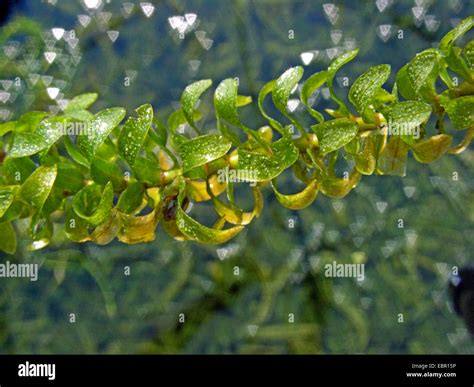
<point>299,200</point>
<point>431,149</point>
<point>392,160</point>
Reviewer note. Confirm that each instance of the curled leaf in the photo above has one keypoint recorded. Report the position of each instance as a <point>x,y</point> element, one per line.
<point>431,149</point>
<point>282,89</point>
<point>313,83</point>
<point>364,88</point>
<point>423,69</point>
<point>190,96</point>
<point>299,200</point>
<point>134,132</point>
<point>339,187</point>
<point>198,232</point>
<point>392,160</point>
<point>94,204</point>
<point>77,229</point>
<point>264,91</point>
<point>235,215</point>
<point>198,192</point>
<point>331,73</point>
<point>108,230</point>
<point>366,161</point>
<point>138,229</point>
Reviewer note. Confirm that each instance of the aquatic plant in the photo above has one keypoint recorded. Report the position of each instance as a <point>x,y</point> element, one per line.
<point>101,180</point>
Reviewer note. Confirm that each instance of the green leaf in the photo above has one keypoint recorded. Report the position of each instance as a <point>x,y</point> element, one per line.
<point>18,170</point>
<point>27,122</point>
<point>47,133</point>
<point>176,124</point>
<point>131,198</point>
<point>299,200</point>
<point>461,111</point>
<point>81,102</point>
<point>190,96</point>
<point>261,167</point>
<point>7,195</point>
<point>77,229</point>
<point>75,153</point>
<point>404,84</point>
<point>138,229</point>
<point>226,104</point>
<point>225,101</point>
<point>405,117</point>
<point>198,232</point>
<point>69,178</point>
<point>161,134</point>
<point>313,83</point>
<point>202,150</point>
<point>423,69</point>
<point>334,134</point>
<point>264,91</point>
<point>103,171</point>
<point>106,232</point>
<point>79,115</point>
<point>94,204</point>
<point>234,215</point>
<point>99,128</point>
<point>282,89</point>
<point>333,69</point>
<point>364,88</point>
<point>147,170</point>
<point>431,149</point>
<point>243,100</point>
<point>338,188</point>
<point>40,231</point>
<point>134,132</point>
<point>468,52</point>
<point>7,238</point>
<point>457,63</point>
<point>366,161</point>
<point>452,36</point>
<point>392,160</point>
<point>37,187</point>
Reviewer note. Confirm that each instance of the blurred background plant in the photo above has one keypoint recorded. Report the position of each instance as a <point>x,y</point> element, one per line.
<point>137,52</point>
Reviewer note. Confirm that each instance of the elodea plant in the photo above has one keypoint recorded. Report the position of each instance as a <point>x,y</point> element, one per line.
<point>101,180</point>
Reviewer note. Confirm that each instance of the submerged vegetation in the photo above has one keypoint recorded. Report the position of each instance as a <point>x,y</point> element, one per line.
<point>103,180</point>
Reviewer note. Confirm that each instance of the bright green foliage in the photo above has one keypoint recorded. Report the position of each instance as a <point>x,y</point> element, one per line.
<point>113,181</point>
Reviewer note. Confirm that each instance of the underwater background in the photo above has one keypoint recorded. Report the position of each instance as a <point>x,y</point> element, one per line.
<point>281,302</point>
